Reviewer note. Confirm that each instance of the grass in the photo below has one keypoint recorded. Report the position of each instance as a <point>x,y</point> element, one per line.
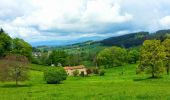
<point>113,85</point>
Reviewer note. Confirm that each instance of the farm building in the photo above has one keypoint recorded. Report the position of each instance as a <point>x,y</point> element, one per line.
<point>71,69</point>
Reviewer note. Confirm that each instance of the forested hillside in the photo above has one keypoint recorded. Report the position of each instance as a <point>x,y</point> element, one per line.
<point>10,45</point>
<point>135,39</point>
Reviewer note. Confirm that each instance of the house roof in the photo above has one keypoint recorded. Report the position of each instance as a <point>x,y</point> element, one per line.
<point>74,67</point>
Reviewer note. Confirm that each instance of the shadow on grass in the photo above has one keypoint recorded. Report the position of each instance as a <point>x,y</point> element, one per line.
<point>144,79</point>
<point>14,86</point>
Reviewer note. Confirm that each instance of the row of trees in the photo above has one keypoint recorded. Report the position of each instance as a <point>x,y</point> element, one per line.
<point>155,57</point>
<point>109,57</point>
<point>61,57</point>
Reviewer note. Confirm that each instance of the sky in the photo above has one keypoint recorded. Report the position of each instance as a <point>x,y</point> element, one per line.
<point>60,22</point>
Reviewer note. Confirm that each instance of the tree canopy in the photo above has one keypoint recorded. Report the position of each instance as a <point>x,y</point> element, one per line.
<point>5,43</point>
<point>22,47</point>
<point>114,56</point>
<point>14,68</point>
<point>152,57</point>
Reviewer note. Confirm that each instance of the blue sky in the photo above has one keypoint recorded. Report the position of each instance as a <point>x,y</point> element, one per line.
<point>43,22</point>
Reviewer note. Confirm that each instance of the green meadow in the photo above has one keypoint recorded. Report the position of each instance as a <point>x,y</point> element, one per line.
<point>113,86</point>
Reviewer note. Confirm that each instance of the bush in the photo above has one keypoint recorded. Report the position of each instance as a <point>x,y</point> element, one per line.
<point>55,75</point>
<point>75,73</point>
<point>96,71</point>
<point>101,72</point>
<point>82,74</point>
<point>89,71</point>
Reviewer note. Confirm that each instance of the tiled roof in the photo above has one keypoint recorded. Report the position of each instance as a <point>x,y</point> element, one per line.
<point>74,67</point>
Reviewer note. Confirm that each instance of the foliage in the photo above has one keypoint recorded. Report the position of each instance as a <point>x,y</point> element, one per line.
<point>127,41</point>
<point>151,57</point>
<point>89,71</point>
<point>75,73</point>
<point>135,39</point>
<point>5,43</point>
<point>133,56</point>
<point>58,57</point>
<point>55,75</point>
<point>110,57</point>
<point>14,68</point>
<point>82,74</point>
<point>22,47</point>
<point>95,70</point>
<point>73,59</point>
<point>166,45</point>
<point>101,72</point>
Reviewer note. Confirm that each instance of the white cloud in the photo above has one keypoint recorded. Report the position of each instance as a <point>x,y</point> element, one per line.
<point>70,16</point>
<point>165,21</point>
<point>42,20</point>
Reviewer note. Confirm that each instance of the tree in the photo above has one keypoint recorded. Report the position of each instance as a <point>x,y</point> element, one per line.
<point>1,30</point>
<point>5,43</point>
<point>133,56</point>
<point>14,68</point>
<point>152,56</point>
<point>58,57</point>
<point>21,47</point>
<point>114,56</point>
<point>166,44</point>
<point>73,59</point>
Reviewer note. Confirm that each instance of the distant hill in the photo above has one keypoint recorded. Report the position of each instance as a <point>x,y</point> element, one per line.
<point>127,41</point>
<point>135,39</point>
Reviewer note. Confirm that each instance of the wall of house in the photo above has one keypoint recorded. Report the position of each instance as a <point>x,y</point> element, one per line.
<point>70,72</point>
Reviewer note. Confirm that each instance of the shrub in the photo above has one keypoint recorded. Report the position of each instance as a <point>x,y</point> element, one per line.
<point>101,72</point>
<point>55,75</point>
<point>75,73</point>
<point>96,71</point>
<point>82,74</point>
<point>89,71</point>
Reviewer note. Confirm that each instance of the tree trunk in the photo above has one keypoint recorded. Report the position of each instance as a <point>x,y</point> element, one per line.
<point>167,69</point>
<point>16,82</point>
<point>153,75</point>
<point>96,65</point>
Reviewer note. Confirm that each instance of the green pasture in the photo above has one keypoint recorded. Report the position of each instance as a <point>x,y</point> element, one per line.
<point>115,85</point>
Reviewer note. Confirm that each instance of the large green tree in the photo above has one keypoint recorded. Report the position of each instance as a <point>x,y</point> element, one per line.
<point>114,56</point>
<point>58,57</point>
<point>166,44</point>
<point>152,56</point>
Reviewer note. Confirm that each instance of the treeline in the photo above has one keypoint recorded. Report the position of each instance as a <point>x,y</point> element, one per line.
<point>63,58</point>
<point>108,57</point>
<point>14,46</point>
<point>153,57</point>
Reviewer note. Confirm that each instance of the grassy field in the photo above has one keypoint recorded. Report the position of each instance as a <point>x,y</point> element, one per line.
<point>113,85</point>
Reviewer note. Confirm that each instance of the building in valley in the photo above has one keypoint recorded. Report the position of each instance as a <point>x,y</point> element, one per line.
<point>71,69</point>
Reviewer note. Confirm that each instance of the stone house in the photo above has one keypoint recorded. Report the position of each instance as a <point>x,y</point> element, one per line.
<point>71,69</point>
